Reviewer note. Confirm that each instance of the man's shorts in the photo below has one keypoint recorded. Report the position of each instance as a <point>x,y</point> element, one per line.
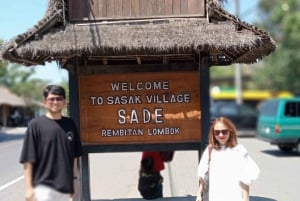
<point>45,193</point>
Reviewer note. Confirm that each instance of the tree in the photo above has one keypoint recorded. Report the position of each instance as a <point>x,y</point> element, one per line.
<point>19,81</point>
<point>281,70</point>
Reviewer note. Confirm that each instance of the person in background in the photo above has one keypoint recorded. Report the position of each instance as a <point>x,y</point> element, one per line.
<point>50,151</point>
<point>16,118</point>
<point>152,162</point>
<point>231,169</point>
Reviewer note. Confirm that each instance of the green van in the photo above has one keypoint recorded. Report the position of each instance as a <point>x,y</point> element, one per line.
<point>279,123</point>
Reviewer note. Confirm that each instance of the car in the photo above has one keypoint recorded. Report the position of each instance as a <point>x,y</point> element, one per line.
<point>242,115</point>
<point>279,123</point>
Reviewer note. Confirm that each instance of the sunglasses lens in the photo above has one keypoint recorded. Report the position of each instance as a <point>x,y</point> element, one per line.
<point>57,99</point>
<point>218,132</point>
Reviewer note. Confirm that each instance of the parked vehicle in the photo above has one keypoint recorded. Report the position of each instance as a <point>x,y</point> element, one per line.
<point>279,123</point>
<point>243,116</point>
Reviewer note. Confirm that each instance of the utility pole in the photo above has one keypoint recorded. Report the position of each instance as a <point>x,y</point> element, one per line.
<point>238,70</point>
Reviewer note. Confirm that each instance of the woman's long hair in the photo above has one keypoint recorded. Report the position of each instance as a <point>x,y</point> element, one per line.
<point>232,141</point>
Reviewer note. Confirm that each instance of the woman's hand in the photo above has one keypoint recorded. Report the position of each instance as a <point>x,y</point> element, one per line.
<point>245,190</point>
<point>199,197</point>
<point>200,190</point>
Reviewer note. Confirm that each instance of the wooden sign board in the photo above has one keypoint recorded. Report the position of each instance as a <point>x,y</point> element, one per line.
<point>139,108</point>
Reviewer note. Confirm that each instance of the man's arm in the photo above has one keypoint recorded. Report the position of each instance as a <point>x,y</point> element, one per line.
<point>76,176</point>
<point>29,191</point>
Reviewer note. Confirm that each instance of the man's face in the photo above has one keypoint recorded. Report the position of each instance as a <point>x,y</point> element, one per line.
<point>54,103</point>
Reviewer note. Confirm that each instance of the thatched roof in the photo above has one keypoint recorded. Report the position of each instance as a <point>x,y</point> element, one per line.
<point>8,98</point>
<point>224,37</point>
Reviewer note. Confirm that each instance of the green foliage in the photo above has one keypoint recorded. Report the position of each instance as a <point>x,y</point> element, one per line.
<point>281,70</point>
<point>18,80</point>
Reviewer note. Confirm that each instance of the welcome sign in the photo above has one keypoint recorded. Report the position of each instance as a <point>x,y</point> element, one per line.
<point>139,108</point>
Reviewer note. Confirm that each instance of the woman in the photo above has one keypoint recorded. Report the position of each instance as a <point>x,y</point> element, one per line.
<point>231,169</point>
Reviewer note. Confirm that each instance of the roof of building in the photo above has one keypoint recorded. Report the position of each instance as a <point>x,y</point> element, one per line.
<point>8,98</point>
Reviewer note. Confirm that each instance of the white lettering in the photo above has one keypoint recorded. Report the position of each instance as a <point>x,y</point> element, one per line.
<point>96,100</point>
<point>164,131</point>
<point>148,85</point>
<point>122,116</point>
<point>173,98</point>
<point>145,116</point>
<point>123,100</point>
<point>121,132</point>
<point>158,115</point>
<point>134,117</point>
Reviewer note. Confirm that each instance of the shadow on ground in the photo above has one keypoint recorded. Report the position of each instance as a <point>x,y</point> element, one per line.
<point>11,134</point>
<point>278,153</point>
<point>258,198</point>
<point>185,198</point>
<point>9,137</point>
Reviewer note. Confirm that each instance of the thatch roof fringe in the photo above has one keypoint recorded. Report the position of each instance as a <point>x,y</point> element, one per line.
<point>54,15</point>
<point>216,9</point>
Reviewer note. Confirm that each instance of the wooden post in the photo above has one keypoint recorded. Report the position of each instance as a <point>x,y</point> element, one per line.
<point>205,101</point>
<point>84,188</point>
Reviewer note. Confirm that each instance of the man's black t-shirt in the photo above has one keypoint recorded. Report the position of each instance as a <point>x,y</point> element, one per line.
<point>51,145</point>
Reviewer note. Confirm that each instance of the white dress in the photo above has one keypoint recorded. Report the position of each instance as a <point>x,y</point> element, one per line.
<point>228,167</point>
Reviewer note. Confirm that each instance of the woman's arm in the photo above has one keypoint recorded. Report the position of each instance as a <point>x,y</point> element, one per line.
<point>202,170</point>
<point>245,189</point>
<point>200,190</point>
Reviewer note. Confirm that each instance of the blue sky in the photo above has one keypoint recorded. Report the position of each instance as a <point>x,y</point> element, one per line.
<point>17,16</point>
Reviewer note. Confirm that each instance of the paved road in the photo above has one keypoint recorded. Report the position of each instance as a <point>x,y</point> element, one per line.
<point>279,179</point>
<point>115,175</point>
<point>11,171</point>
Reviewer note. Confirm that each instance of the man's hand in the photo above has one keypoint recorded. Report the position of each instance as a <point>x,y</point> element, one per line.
<point>75,184</point>
<point>29,195</point>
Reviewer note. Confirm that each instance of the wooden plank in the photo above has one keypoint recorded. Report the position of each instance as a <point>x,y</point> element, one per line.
<point>126,8</point>
<point>79,9</point>
<point>176,7</point>
<point>152,8</point>
<point>184,7</point>
<point>118,8</point>
<point>161,7</point>
<point>202,8</point>
<point>110,8</point>
<point>143,7</point>
<point>169,7</point>
<point>196,7</point>
<point>135,8</point>
<point>71,11</point>
<point>100,9</point>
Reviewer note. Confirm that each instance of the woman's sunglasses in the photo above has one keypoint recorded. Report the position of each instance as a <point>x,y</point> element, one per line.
<point>218,132</point>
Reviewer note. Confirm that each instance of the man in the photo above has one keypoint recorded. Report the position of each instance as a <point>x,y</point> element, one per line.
<point>50,151</point>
